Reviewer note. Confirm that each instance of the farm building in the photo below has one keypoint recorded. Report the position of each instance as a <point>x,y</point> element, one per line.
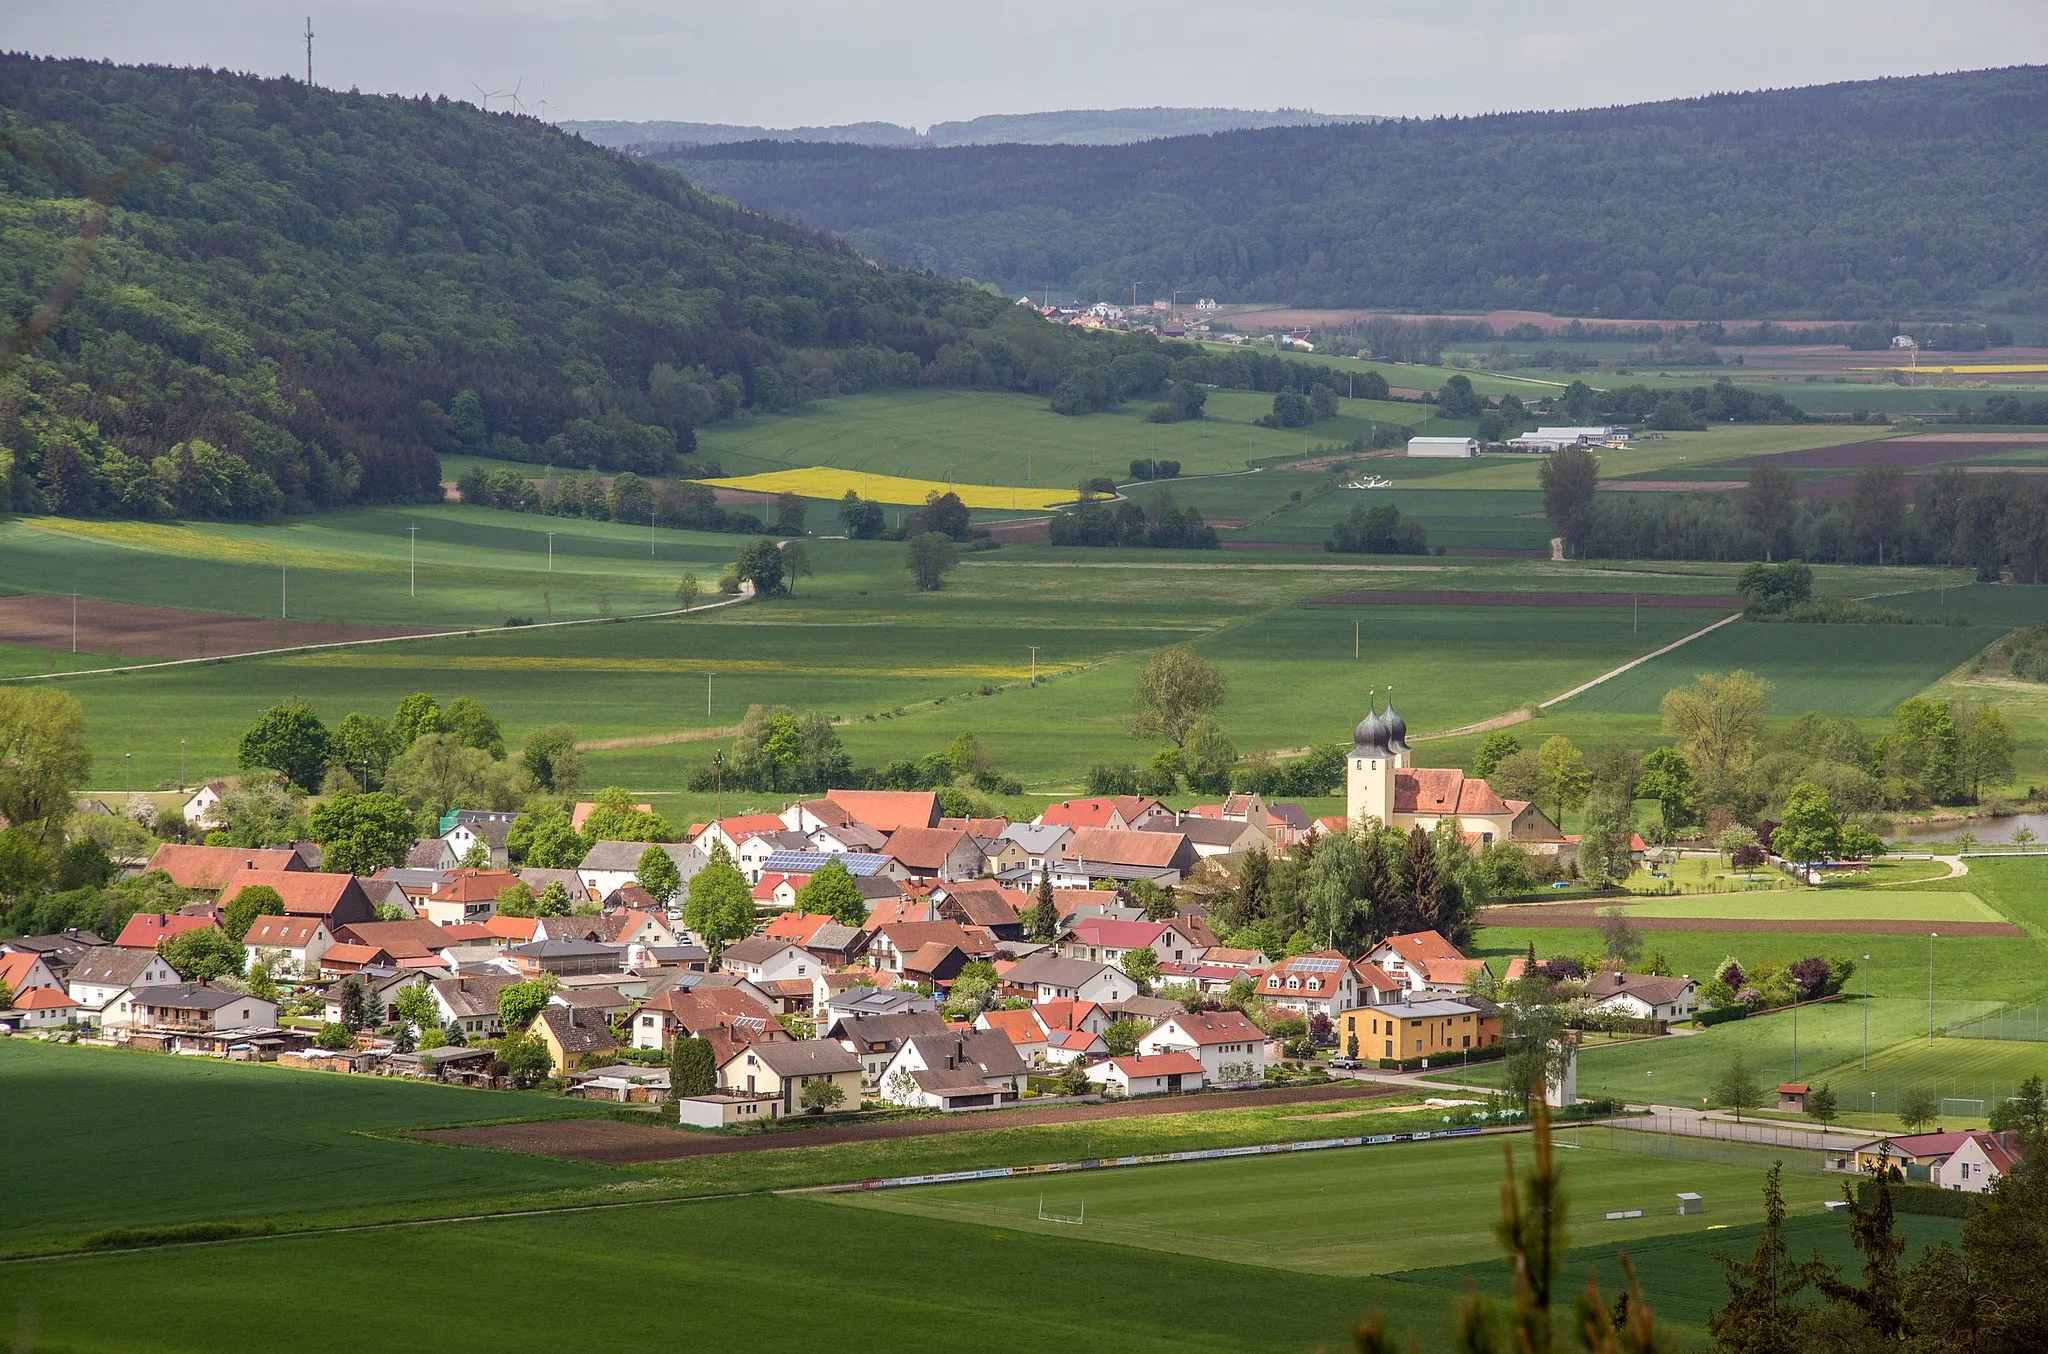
<point>1452,447</point>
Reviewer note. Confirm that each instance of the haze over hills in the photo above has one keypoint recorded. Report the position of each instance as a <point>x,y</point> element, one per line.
<point>1069,127</point>
<point>1871,199</point>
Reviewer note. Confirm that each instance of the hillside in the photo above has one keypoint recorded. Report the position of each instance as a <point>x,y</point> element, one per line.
<point>282,315</point>
<point>1068,127</point>
<point>1873,199</point>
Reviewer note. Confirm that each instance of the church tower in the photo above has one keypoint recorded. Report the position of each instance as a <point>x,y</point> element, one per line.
<point>1369,772</point>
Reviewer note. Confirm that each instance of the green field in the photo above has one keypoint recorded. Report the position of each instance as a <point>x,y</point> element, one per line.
<point>1847,905</point>
<point>1984,1070</point>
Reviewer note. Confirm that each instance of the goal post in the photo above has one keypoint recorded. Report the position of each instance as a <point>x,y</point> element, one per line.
<point>1071,1220</point>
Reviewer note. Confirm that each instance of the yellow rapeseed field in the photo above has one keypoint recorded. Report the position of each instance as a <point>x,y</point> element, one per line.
<point>1935,368</point>
<point>820,481</point>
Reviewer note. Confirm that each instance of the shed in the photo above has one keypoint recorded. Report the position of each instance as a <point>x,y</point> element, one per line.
<point>1452,447</point>
<point>1792,1096</point>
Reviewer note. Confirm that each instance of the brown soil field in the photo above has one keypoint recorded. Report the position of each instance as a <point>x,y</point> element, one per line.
<point>1446,597</point>
<point>616,1143</point>
<point>1272,545</point>
<point>1582,917</point>
<point>43,621</point>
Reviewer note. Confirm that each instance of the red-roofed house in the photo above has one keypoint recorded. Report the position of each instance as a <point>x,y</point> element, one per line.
<point>291,944</point>
<point>731,832</point>
<point>778,890</point>
<point>23,971</point>
<point>936,853</point>
<point>1107,941</point>
<point>208,869</point>
<point>889,810</point>
<point>1121,813</point>
<point>336,899</point>
<point>1065,1046</point>
<point>1021,1028</point>
<point>1153,1074</point>
<point>896,942</point>
<point>1970,1161</point>
<point>466,896</point>
<point>146,930</point>
<point>897,911</point>
<point>38,1008</point>
<point>795,927</point>
<point>1422,959</point>
<point>1072,1013</point>
<point>1163,857</point>
<point>1311,983</point>
<point>1230,1048</point>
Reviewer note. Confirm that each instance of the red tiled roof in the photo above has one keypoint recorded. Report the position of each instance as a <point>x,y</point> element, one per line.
<point>1121,935</point>
<point>910,937</point>
<point>1444,790</point>
<point>40,999</point>
<point>796,927</point>
<point>899,912</point>
<point>1420,947</point>
<point>1064,1013</point>
<point>1020,1027</point>
<point>888,810</point>
<point>924,848</point>
<point>145,929</point>
<point>352,954</point>
<point>305,892</point>
<point>764,892</point>
<point>286,932</point>
<point>741,826</point>
<point>1079,813</point>
<point>1151,850</point>
<point>516,929</point>
<point>1156,1064</point>
<point>211,867</point>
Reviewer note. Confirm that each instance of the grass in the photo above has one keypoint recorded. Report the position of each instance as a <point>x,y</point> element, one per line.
<point>1846,905</point>
<point>1988,1070</point>
<point>108,1138</point>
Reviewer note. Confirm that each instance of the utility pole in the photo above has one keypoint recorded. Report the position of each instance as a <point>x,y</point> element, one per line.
<point>718,785</point>
<point>707,693</point>
<point>181,766</point>
<point>551,552</point>
<point>412,586</point>
<point>1866,1013</point>
<point>283,583</point>
<point>1034,664</point>
<point>74,622</point>
<point>309,51</point>
<point>1930,987</point>
<point>650,529</point>
<point>1354,639</point>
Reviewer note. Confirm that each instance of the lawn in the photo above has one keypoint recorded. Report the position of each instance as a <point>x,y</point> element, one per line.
<point>1982,1070</point>
<point>108,1138</point>
<point>1845,905</point>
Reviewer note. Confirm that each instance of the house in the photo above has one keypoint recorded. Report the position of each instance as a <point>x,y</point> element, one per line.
<point>1043,843</point>
<point>21,971</point>
<point>875,1039</point>
<point>565,957</point>
<point>461,897</point>
<point>898,941</point>
<point>1021,1028</point>
<point>1970,1161</point>
<point>1980,1161</point>
<point>1422,959</point>
<point>478,827</point>
<point>847,839</point>
<point>1418,1029</point>
<point>760,959</point>
<point>1001,856</point>
<point>433,853</point>
<point>383,991</point>
<point>845,1003</point>
<point>417,942</point>
<point>336,899</point>
<point>469,1002</point>
<point>573,1034</point>
<point>1148,1074</point>
<point>889,811</point>
<point>1230,1048</point>
<point>1643,996</point>
<point>579,813</point>
<point>935,853</point>
<point>756,847</point>
<point>198,1009</point>
<point>954,1070</point>
<point>1121,813</point>
<point>935,965</point>
<point>731,833</point>
<point>1213,837</point>
<point>1107,941</point>
<point>1164,857</point>
<point>1044,975</point>
<point>61,950</point>
<point>291,945</point>
<point>1312,984</point>
<point>207,869</point>
<point>1068,1013</point>
<point>1208,979</point>
<point>993,908</point>
<point>1226,957</point>
<point>198,809</point>
<point>886,873</point>
<point>612,865</point>
<point>1066,1046</point>
<point>810,815</point>
<point>38,1008</point>
<point>681,1013</point>
<point>776,890</point>
<point>102,981</point>
<point>783,1070</point>
<point>1376,986</point>
<point>836,946</point>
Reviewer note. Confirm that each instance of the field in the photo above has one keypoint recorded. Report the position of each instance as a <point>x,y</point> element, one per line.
<point>1848,905</point>
<point>825,482</point>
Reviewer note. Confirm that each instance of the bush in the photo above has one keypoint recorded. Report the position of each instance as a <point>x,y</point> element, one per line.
<point>1926,1200</point>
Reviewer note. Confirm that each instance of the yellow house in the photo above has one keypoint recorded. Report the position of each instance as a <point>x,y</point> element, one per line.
<point>1416,1029</point>
<point>573,1034</point>
<point>782,1069</point>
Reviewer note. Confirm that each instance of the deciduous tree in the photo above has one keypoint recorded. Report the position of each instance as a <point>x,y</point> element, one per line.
<point>692,1070</point>
<point>250,902</point>
<point>657,873</point>
<point>1718,725</point>
<point>1177,689</point>
<point>832,892</point>
<point>1737,1088</point>
<point>930,556</point>
<point>721,906</point>
<point>361,834</point>
<point>203,954</point>
<point>288,738</point>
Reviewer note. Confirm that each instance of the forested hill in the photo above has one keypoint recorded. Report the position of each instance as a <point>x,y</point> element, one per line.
<point>282,315</point>
<point>1853,200</point>
<point>1067,127</point>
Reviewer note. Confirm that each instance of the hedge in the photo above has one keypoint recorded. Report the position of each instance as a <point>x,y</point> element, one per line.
<point>1923,1199</point>
<point>1457,1058</point>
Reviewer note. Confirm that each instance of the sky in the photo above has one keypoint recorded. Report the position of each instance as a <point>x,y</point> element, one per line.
<point>915,62</point>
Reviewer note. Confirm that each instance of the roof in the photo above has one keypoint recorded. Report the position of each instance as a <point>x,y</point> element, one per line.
<point>1444,790</point>
<point>987,904</point>
<point>765,887</point>
<point>890,1028</point>
<point>473,995</point>
<point>1793,1088</point>
<point>833,936</point>
<point>286,932</point>
<point>1155,1064</point>
<point>910,937</point>
<point>857,863</point>
<point>210,867</point>
<point>806,1057</point>
<point>578,1031</point>
<point>1217,1027</point>
<point>1121,935</point>
<point>307,892</point>
<point>755,950</point>
<point>145,929</point>
<point>563,949</point>
<point>345,953</point>
<point>795,927</point>
<point>827,812</point>
<point>1652,990</point>
<point>1428,1010</point>
<point>1420,947</point>
<point>1146,850</point>
<point>889,810</point>
<point>411,935</point>
<point>1078,1041</point>
<point>580,812</point>
<point>517,929</point>
<point>1209,831</point>
<point>1064,1013</point>
<point>1054,969</point>
<point>743,825</point>
<point>1919,1145</point>
<point>1019,1027</point>
<point>470,886</point>
<point>1084,813</point>
<point>976,827</point>
<point>40,999</point>
<point>427,854</point>
<point>779,839</point>
<point>620,856</point>
<point>1373,976</point>
<point>192,996</point>
<point>1037,838</point>
<point>925,848</point>
<point>700,1007</point>
<point>107,966</point>
<point>992,1054</point>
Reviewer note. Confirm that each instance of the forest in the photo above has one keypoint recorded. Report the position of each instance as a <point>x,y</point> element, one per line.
<point>1846,202</point>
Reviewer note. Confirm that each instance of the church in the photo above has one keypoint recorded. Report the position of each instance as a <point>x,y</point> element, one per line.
<point>1382,782</point>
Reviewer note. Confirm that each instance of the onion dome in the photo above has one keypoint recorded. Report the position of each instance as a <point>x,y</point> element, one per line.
<point>1370,737</point>
<point>1396,727</point>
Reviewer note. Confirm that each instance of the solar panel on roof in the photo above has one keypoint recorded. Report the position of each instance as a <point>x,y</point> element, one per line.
<point>1317,965</point>
<point>857,863</point>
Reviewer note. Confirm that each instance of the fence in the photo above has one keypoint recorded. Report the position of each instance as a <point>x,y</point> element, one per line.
<point>2021,1024</point>
<point>1749,1145</point>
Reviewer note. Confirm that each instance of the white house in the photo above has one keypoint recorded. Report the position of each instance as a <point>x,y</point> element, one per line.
<point>972,1070</point>
<point>38,1008</point>
<point>1021,1028</point>
<point>1643,996</point>
<point>197,1008</point>
<point>1312,984</point>
<point>473,827</point>
<point>295,943</point>
<point>469,1002</point>
<point>1230,1048</point>
<point>610,866</point>
<point>756,847</point>
<point>24,971</point>
<point>1065,1046</point>
<point>1978,1162</point>
<point>1045,844</point>
<point>199,808</point>
<point>101,980</point>
<point>760,959</point>
<point>1107,941</point>
<point>1140,1074</point>
<point>1046,976</point>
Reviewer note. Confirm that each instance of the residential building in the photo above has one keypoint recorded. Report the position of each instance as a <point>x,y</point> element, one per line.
<point>1312,984</point>
<point>762,960</point>
<point>101,982</point>
<point>336,899</point>
<point>1021,1028</point>
<point>889,811</point>
<point>573,1034</point>
<point>469,1002</point>
<point>38,1008</point>
<point>1044,843</point>
<point>290,945</point>
<point>198,1009</point>
<point>21,971</point>
<point>207,869</point>
<point>1419,1029</point>
<point>1107,941</point>
<point>972,1069</point>
<point>564,957</point>
<point>1230,1048</point>
<point>875,1039</point>
<point>783,1070</point>
<point>1421,960</point>
<point>61,950</point>
<point>1120,813</point>
<point>1148,1074</point>
<point>1045,975</point>
<point>936,853</point>
<point>896,942</point>
<point>1643,996</point>
<point>993,908</point>
<point>479,827</point>
<point>731,833</point>
<point>198,810</point>
<point>1164,857</point>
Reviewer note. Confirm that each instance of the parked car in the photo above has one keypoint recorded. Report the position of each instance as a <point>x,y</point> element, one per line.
<point>1345,1064</point>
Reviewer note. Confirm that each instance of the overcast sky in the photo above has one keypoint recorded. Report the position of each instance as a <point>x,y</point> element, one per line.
<point>791,62</point>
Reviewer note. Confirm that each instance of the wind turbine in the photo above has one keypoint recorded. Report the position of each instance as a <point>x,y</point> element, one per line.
<point>487,94</point>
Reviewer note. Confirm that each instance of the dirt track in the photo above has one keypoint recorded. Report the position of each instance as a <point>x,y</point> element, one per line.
<point>1586,917</point>
<point>1446,597</point>
<point>615,1143</point>
<point>43,621</point>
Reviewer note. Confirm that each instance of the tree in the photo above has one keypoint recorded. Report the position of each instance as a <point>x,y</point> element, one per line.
<point>43,760</point>
<point>1770,501</point>
<point>1809,830</point>
<point>473,726</point>
<point>1877,505</point>
<point>1918,1107</point>
<point>358,1004</point>
<point>930,556</point>
<point>943,513</point>
<point>1607,840</point>
<point>1570,477</point>
<point>416,716</point>
<point>1761,1315</point>
<point>437,773</point>
<point>1072,1078</point>
<point>1493,749</point>
<point>545,840</point>
<point>1533,1031</point>
<point>821,1094</point>
<point>1820,1103</point>
<point>760,563</point>
<point>515,900</point>
<point>1718,724</point>
<point>1563,775</point>
<point>1122,1036</point>
<point>1142,967</point>
<point>2025,1114</point>
<point>1623,943</point>
<point>526,1058</point>
<point>1044,923</point>
<point>1667,779</point>
<point>288,738</point>
<point>415,1006</point>
<point>362,744</point>
<point>1869,1315</point>
<point>553,900</point>
<point>261,985</point>
<point>656,870</point>
<point>721,906</point>
<point>1737,1088</point>
<point>862,518</point>
<point>1210,758</point>
<point>1985,746</point>
<point>832,892</point>
<point>520,1004</point>
<point>796,563</point>
<point>790,511</point>
<point>1986,1295</point>
<point>361,834</point>
<point>260,808</point>
<point>692,1068</point>
<point>549,755</point>
<point>203,954</point>
<point>614,817</point>
<point>687,588</point>
<point>250,902</point>
<point>334,1036</point>
<point>1177,689</point>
